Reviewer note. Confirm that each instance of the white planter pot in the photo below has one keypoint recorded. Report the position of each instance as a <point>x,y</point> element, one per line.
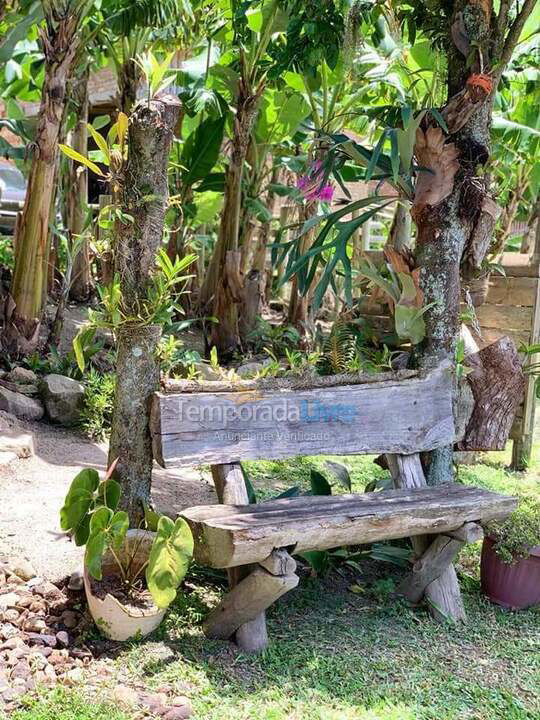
<point>113,619</point>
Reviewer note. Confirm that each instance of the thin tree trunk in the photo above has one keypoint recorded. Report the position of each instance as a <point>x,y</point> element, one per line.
<point>23,315</point>
<point>224,283</point>
<point>81,286</point>
<point>144,196</point>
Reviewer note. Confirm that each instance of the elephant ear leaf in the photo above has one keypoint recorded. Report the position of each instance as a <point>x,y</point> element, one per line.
<point>169,559</point>
<point>74,515</point>
<point>97,541</point>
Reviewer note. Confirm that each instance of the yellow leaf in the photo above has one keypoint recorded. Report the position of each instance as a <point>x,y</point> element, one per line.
<point>74,155</point>
<point>122,126</point>
<point>99,140</point>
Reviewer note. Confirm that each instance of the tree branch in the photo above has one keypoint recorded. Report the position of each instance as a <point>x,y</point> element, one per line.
<point>512,38</point>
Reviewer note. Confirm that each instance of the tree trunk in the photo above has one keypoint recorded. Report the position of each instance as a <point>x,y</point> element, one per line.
<point>224,281</point>
<point>129,77</point>
<point>446,228</point>
<point>144,196</point>
<point>81,286</point>
<point>23,316</point>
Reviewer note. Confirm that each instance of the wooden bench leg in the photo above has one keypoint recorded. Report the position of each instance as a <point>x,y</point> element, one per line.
<point>231,490</point>
<point>436,559</point>
<point>249,599</point>
<point>442,594</point>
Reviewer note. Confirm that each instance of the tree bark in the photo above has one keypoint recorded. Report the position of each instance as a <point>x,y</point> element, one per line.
<point>60,43</point>
<point>81,285</point>
<point>144,196</point>
<point>222,289</point>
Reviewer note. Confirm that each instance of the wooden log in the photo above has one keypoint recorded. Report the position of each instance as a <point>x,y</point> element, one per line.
<point>246,601</point>
<point>468,533</point>
<point>442,595</point>
<point>279,562</point>
<point>498,385</point>
<point>238,535</point>
<point>231,427</point>
<point>435,560</point>
<point>251,636</point>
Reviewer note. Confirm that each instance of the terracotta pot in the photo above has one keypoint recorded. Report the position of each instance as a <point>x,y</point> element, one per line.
<point>116,621</point>
<point>478,289</point>
<point>515,586</point>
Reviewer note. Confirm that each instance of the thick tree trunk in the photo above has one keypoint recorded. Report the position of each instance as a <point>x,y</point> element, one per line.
<point>23,314</point>
<point>144,196</point>
<point>81,285</point>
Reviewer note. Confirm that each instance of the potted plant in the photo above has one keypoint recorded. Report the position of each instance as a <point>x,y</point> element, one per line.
<point>510,563</point>
<point>131,575</point>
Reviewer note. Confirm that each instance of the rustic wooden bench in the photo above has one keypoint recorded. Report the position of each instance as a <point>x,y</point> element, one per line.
<point>398,414</point>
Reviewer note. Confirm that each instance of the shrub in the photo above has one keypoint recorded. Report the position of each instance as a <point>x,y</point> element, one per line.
<point>515,536</point>
<point>96,415</point>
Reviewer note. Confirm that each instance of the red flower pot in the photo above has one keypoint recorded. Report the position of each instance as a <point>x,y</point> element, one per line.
<point>515,586</point>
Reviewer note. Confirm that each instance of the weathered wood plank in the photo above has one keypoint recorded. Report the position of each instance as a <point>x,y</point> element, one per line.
<point>230,427</point>
<point>237,535</point>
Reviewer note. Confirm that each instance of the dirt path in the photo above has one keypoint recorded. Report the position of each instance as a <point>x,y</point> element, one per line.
<point>32,492</point>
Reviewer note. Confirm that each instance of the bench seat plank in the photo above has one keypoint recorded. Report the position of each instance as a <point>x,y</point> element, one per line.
<point>231,535</point>
<point>398,416</point>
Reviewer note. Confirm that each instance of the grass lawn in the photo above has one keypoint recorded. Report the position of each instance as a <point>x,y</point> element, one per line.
<point>341,648</point>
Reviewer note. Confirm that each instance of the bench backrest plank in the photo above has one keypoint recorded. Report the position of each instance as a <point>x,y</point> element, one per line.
<point>230,535</point>
<point>405,416</point>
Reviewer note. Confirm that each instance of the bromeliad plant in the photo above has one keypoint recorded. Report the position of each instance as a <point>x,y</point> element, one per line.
<point>90,514</point>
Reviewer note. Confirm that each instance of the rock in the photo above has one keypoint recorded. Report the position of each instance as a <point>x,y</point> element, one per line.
<point>12,643</point>
<point>125,697</point>
<point>8,421</point>
<point>11,616</point>
<point>9,600</point>
<point>156,703</point>
<point>70,619</point>
<point>41,639</point>
<point>24,569</point>
<point>15,580</point>
<point>8,631</point>
<point>62,638</point>
<point>37,661</point>
<point>53,595</point>
<point>22,375</point>
<point>17,442</point>
<point>178,713</point>
<point>50,675</point>
<point>34,624</point>
<point>74,676</point>
<point>76,581</point>
<point>20,405</point>
<point>21,671</point>
<point>207,372</point>
<point>249,370</point>
<point>38,606</point>
<point>63,398</point>
<point>44,651</point>
<point>4,685</point>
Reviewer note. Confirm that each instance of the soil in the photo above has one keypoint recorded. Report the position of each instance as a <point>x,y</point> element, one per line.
<point>33,490</point>
<point>137,597</point>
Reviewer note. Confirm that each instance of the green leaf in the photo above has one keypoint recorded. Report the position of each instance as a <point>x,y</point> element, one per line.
<point>151,518</point>
<point>93,555</point>
<point>201,150</point>
<point>319,560</point>
<point>319,484</point>
<point>74,155</point>
<point>77,504</point>
<point>252,495</point>
<point>169,560</point>
<point>109,493</point>
<point>341,473</point>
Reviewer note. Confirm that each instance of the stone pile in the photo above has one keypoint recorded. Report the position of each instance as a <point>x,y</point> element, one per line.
<point>43,627</point>
<point>40,632</point>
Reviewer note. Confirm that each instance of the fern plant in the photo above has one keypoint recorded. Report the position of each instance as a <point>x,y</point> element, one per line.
<point>339,349</point>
